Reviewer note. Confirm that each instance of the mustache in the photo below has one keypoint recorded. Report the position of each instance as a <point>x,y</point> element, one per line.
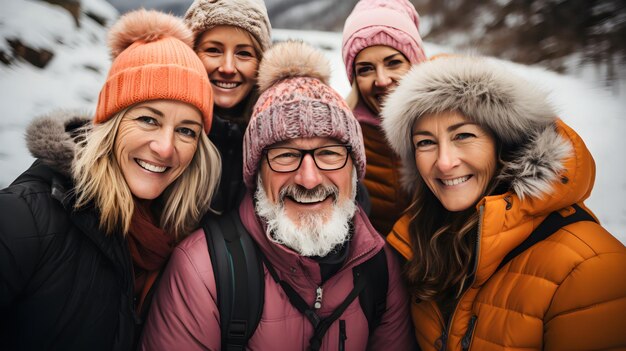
<point>302,194</point>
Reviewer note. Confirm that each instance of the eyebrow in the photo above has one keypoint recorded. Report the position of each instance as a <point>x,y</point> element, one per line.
<point>457,126</point>
<point>209,41</point>
<point>391,56</point>
<point>160,114</point>
<point>216,42</point>
<point>188,121</point>
<point>290,144</point>
<point>449,129</point>
<point>387,58</point>
<point>153,110</point>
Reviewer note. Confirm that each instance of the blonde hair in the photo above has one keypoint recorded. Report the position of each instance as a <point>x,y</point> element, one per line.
<point>99,179</point>
<point>353,97</point>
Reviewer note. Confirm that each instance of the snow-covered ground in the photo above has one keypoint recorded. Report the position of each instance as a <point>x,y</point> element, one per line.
<point>78,69</point>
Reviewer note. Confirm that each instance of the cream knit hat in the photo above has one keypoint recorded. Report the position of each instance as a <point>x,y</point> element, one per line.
<point>250,15</point>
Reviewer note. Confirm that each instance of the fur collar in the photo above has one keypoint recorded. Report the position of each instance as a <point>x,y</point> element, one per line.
<point>513,109</point>
<point>53,138</point>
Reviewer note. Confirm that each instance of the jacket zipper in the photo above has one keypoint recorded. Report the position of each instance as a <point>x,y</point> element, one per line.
<point>467,338</point>
<point>129,264</point>
<point>318,297</point>
<point>447,324</point>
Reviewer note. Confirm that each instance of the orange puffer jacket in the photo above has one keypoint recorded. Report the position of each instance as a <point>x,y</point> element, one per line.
<point>567,292</point>
<point>382,174</point>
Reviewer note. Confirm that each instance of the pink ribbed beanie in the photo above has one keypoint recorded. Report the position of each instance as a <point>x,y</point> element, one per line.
<point>152,60</point>
<point>297,102</point>
<point>392,23</point>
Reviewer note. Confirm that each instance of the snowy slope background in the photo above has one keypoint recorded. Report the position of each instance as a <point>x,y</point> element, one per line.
<point>77,71</point>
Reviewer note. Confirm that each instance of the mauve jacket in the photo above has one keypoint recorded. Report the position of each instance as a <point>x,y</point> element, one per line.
<point>185,316</point>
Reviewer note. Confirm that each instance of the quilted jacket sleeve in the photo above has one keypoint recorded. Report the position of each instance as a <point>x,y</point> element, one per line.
<point>588,310</point>
<point>184,313</point>
<point>395,331</point>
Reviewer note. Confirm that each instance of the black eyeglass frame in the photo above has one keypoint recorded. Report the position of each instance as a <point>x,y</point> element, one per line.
<point>305,152</point>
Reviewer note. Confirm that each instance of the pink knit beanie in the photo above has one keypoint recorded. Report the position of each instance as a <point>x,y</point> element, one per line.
<point>152,60</point>
<point>392,23</point>
<point>297,102</point>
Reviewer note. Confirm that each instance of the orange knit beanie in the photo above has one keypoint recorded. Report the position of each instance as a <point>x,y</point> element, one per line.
<point>153,59</point>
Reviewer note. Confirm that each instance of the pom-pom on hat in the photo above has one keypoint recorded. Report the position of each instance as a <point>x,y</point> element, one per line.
<point>250,15</point>
<point>296,102</point>
<point>393,23</point>
<point>153,59</point>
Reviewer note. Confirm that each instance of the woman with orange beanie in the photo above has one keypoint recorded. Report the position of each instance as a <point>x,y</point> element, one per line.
<point>501,251</point>
<point>86,229</point>
<point>380,44</point>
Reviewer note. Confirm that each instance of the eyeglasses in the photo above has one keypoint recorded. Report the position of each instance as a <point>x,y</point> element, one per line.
<point>289,159</point>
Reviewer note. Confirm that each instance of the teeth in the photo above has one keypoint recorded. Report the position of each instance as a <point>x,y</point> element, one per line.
<point>225,85</point>
<point>310,200</point>
<point>151,167</point>
<point>456,181</point>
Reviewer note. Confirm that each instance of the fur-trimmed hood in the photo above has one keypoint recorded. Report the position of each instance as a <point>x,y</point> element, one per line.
<point>53,138</point>
<point>516,112</point>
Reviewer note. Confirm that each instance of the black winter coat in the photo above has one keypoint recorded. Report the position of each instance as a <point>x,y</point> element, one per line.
<point>227,136</point>
<point>64,284</point>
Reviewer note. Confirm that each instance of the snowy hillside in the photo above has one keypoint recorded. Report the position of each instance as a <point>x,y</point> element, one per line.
<point>77,71</point>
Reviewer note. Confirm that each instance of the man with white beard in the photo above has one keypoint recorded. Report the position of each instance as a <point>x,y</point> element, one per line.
<point>303,157</point>
<point>310,233</point>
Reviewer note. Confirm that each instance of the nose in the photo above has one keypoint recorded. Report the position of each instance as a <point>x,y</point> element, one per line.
<point>383,79</point>
<point>308,175</point>
<point>227,66</point>
<point>163,145</point>
<point>447,158</point>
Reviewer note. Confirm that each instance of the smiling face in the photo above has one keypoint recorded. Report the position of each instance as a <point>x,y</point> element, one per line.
<point>307,210</point>
<point>308,189</point>
<point>155,142</point>
<point>231,62</point>
<point>377,70</point>
<point>455,158</point>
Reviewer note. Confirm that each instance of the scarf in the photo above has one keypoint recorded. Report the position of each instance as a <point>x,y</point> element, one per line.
<point>150,247</point>
<point>363,114</point>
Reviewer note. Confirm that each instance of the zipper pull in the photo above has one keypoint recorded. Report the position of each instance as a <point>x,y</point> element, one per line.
<point>318,298</point>
<point>467,338</point>
<point>442,341</point>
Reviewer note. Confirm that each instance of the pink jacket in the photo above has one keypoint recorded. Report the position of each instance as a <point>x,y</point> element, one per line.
<point>184,313</point>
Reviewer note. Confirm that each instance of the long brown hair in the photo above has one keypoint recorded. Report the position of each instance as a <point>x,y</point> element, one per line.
<point>442,242</point>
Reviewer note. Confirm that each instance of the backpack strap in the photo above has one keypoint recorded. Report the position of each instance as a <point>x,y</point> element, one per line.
<point>549,226</point>
<point>373,298</point>
<point>239,278</point>
<point>371,280</point>
<point>320,325</point>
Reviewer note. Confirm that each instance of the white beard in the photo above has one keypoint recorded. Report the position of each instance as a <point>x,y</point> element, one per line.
<point>316,235</point>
